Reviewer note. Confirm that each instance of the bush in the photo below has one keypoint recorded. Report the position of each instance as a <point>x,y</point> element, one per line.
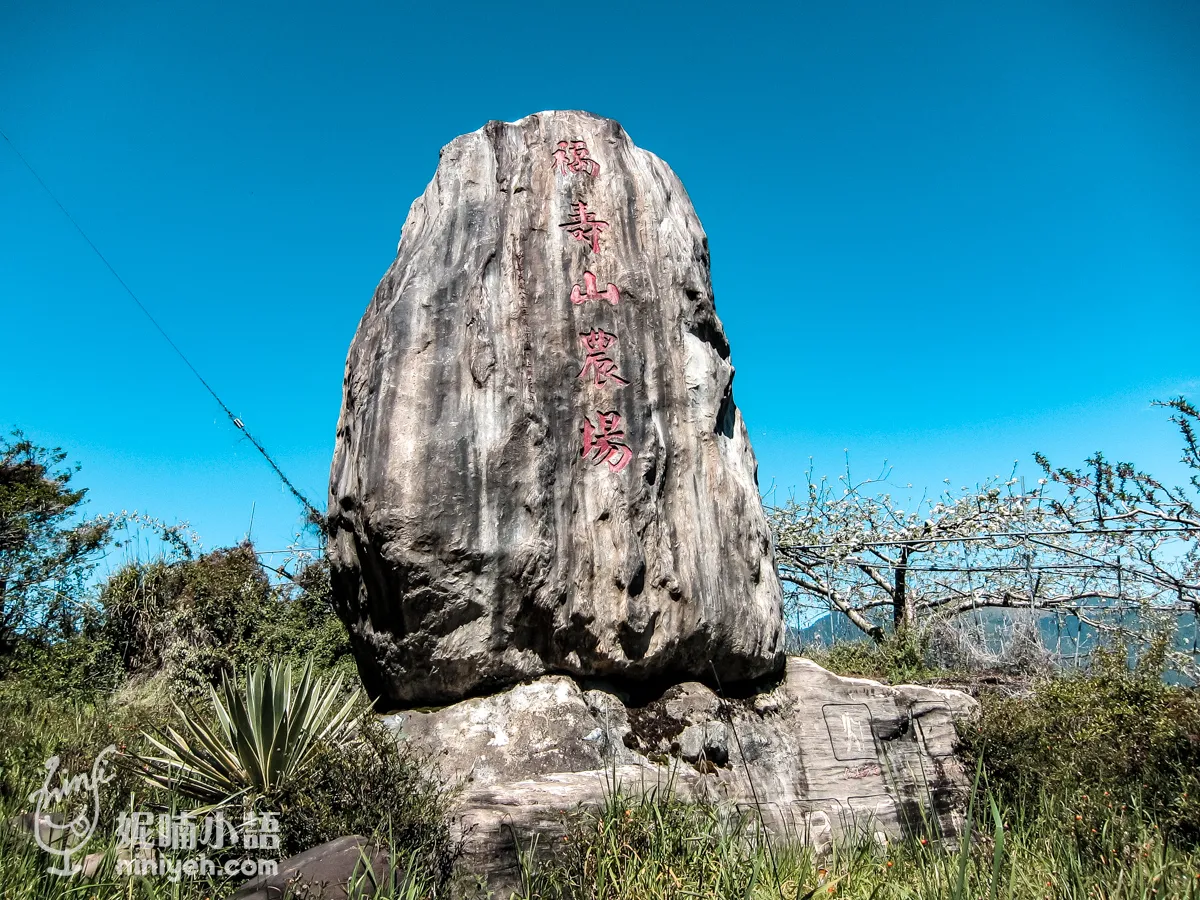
<point>900,658</point>
<point>303,624</point>
<point>195,618</point>
<point>73,667</point>
<point>252,740</point>
<point>373,788</point>
<point>1107,741</point>
<point>200,619</point>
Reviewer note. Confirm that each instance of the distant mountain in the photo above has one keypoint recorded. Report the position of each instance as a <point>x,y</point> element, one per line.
<point>833,628</point>
<point>1066,637</point>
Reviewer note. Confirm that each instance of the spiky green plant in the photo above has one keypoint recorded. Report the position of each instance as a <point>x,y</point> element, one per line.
<point>257,737</point>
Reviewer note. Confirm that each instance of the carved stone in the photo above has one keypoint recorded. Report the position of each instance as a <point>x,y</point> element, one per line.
<point>539,464</point>
<point>813,758</point>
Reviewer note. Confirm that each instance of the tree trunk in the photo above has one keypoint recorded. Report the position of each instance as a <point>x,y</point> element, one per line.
<point>903,614</point>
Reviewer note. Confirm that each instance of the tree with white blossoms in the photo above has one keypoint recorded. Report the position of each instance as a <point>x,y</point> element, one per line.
<point>1153,527</point>
<point>1106,537</point>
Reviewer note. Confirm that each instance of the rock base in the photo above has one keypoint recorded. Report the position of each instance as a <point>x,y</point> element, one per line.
<point>813,759</point>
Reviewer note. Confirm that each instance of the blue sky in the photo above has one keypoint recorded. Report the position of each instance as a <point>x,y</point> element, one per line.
<point>945,234</point>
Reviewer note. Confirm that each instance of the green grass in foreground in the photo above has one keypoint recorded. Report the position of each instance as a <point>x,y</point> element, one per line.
<point>1092,778</point>
<point>660,848</point>
<point>651,848</point>
<point>23,876</point>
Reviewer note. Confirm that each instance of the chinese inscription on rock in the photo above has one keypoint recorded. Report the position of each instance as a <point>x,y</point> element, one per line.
<point>603,442</point>
<point>603,368</point>
<point>604,438</point>
<point>584,226</point>
<point>572,156</point>
<point>591,291</point>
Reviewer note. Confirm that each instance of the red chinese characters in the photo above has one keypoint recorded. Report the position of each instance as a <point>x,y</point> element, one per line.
<point>590,291</point>
<point>572,156</point>
<point>602,367</point>
<point>584,226</point>
<point>603,443</point>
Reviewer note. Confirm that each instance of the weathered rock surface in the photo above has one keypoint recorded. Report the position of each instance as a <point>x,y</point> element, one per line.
<point>816,757</point>
<point>334,870</point>
<point>539,464</point>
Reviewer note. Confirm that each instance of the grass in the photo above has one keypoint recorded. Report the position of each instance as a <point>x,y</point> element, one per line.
<point>659,848</point>
<point>1087,792</point>
<point>326,801</point>
<point>898,660</point>
<point>23,877</point>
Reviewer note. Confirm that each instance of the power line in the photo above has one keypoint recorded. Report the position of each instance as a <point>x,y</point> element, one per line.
<point>1106,532</point>
<point>313,514</point>
<point>1049,567</point>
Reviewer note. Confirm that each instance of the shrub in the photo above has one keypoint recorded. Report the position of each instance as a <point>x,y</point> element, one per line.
<point>302,623</point>
<point>34,727</point>
<point>201,619</point>
<point>137,601</point>
<point>901,657</point>
<point>196,618</point>
<point>374,788</point>
<point>73,666</point>
<point>1104,741</point>
<point>371,787</point>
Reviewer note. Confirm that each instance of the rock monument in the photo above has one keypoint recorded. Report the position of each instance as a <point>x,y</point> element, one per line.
<point>540,466</point>
<point>544,517</point>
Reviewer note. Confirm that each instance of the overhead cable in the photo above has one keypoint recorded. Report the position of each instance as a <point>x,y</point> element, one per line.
<point>313,515</point>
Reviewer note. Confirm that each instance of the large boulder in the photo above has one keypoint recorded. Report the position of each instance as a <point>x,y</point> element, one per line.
<point>539,463</point>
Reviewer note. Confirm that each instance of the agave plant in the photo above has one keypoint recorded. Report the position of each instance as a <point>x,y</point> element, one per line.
<point>261,736</point>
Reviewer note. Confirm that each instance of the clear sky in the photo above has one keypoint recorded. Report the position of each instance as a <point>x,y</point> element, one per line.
<point>948,234</point>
